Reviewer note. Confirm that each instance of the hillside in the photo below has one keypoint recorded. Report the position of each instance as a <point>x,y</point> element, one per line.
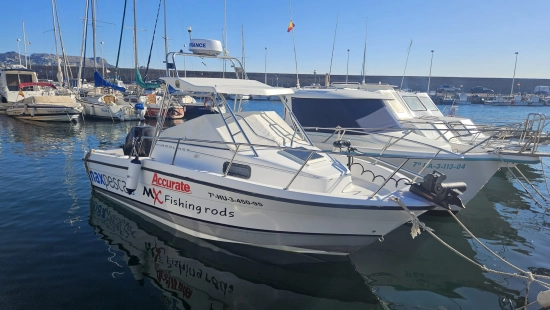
<point>43,59</point>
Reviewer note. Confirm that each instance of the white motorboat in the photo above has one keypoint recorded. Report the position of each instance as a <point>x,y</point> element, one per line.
<point>462,99</point>
<point>18,83</point>
<point>46,108</point>
<point>405,129</point>
<point>250,178</point>
<point>497,101</point>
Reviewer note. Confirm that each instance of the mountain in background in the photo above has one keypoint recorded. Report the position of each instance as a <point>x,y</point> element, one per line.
<point>43,59</point>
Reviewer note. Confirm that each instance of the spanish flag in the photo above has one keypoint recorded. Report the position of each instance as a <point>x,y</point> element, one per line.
<point>290,26</point>
<point>21,93</point>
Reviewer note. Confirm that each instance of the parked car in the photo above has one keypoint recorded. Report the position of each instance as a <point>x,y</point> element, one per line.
<point>481,89</point>
<point>542,90</point>
<point>444,88</point>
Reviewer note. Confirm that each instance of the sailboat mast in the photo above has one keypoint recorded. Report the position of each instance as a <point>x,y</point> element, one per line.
<point>66,70</point>
<point>120,41</point>
<point>59,73</point>
<point>136,64</point>
<point>84,31</point>
<point>94,33</point>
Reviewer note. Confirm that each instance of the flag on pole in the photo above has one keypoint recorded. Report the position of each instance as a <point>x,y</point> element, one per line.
<point>290,26</point>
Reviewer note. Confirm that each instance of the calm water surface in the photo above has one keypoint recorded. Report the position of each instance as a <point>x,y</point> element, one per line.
<point>62,246</point>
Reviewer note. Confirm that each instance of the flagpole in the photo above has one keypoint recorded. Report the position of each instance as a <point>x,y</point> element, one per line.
<point>408,52</point>
<point>294,41</point>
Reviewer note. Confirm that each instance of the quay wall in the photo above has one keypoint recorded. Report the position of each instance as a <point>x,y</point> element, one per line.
<point>416,83</point>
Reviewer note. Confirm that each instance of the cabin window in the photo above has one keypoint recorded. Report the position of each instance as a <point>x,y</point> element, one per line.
<point>414,103</point>
<point>237,170</point>
<point>13,80</point>
<point>329,113</point>
<point>429,103</point>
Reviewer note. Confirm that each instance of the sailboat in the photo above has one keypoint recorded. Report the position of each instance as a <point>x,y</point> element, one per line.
<point>106,101</point>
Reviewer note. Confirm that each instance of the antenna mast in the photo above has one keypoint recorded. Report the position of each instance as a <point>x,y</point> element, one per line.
<point>408,52</point>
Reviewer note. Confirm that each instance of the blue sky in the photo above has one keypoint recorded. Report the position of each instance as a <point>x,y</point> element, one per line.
<point>470,38</point>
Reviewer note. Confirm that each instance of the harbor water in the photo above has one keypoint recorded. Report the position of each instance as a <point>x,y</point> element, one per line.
<point>64,246</point>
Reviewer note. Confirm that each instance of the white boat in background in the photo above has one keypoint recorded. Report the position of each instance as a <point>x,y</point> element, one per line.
<point>462,99</point>
<point>498,100</point>
<point>46,108</point>
<point>250,178</point>
<point>18,83</point>
<point>240,97</point>
<point>535,100</point>
<point>518,100</point>
<point>406,129</point>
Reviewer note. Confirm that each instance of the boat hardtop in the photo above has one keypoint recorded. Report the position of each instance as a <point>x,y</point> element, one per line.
<point>225,86</point>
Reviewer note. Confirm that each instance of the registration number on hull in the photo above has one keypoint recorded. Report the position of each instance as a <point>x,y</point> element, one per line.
<point>440,166</point>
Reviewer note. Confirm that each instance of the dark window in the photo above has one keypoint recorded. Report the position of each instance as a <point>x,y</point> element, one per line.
<point>314,112</point>
<point>300,154</point>
<point>237,170</point>
<point>14,80</point>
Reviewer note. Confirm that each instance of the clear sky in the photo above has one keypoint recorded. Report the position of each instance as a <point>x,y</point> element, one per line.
<point>476,38</point>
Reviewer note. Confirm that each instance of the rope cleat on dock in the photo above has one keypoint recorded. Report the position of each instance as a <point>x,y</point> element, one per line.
<point>433,189</point>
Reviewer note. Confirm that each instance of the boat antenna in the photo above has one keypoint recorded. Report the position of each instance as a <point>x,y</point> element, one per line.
<point>408,52</point>
<point>294,41</point>
<point>224,35</point>
<point>365,52</point>
<point>25,43</point>
<point>83,49</point>
<point>333,44</point>
<point>120,41</point>
<point>242,43</point>
<point>165,34</point>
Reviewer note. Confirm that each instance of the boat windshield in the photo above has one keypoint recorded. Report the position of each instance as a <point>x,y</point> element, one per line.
<point>428,103</point>
<point>343,112</point>
<point>414,103</point>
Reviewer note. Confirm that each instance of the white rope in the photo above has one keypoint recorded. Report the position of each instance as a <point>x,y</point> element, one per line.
<point>416,223</point>
<point>530,277</point>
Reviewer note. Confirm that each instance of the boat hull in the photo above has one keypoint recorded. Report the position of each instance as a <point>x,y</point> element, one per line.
<point>475,169</point>
<point>48,114</point>
<point>270,219</point>
<point>112,111</point>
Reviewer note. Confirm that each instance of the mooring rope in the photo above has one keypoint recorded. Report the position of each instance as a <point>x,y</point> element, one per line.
<point>527,275</point>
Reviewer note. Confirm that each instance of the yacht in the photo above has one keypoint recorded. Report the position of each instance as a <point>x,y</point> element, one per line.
<point>23,96</point>
<point>18,83</point>
<point>405,129</point>
<point>250,178</point>
<point>46,108</point>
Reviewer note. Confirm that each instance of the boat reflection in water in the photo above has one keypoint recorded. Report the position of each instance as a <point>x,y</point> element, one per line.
<point>194,273</point>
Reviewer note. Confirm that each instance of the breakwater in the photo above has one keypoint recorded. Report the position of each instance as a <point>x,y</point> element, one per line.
<point>416,83</point>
